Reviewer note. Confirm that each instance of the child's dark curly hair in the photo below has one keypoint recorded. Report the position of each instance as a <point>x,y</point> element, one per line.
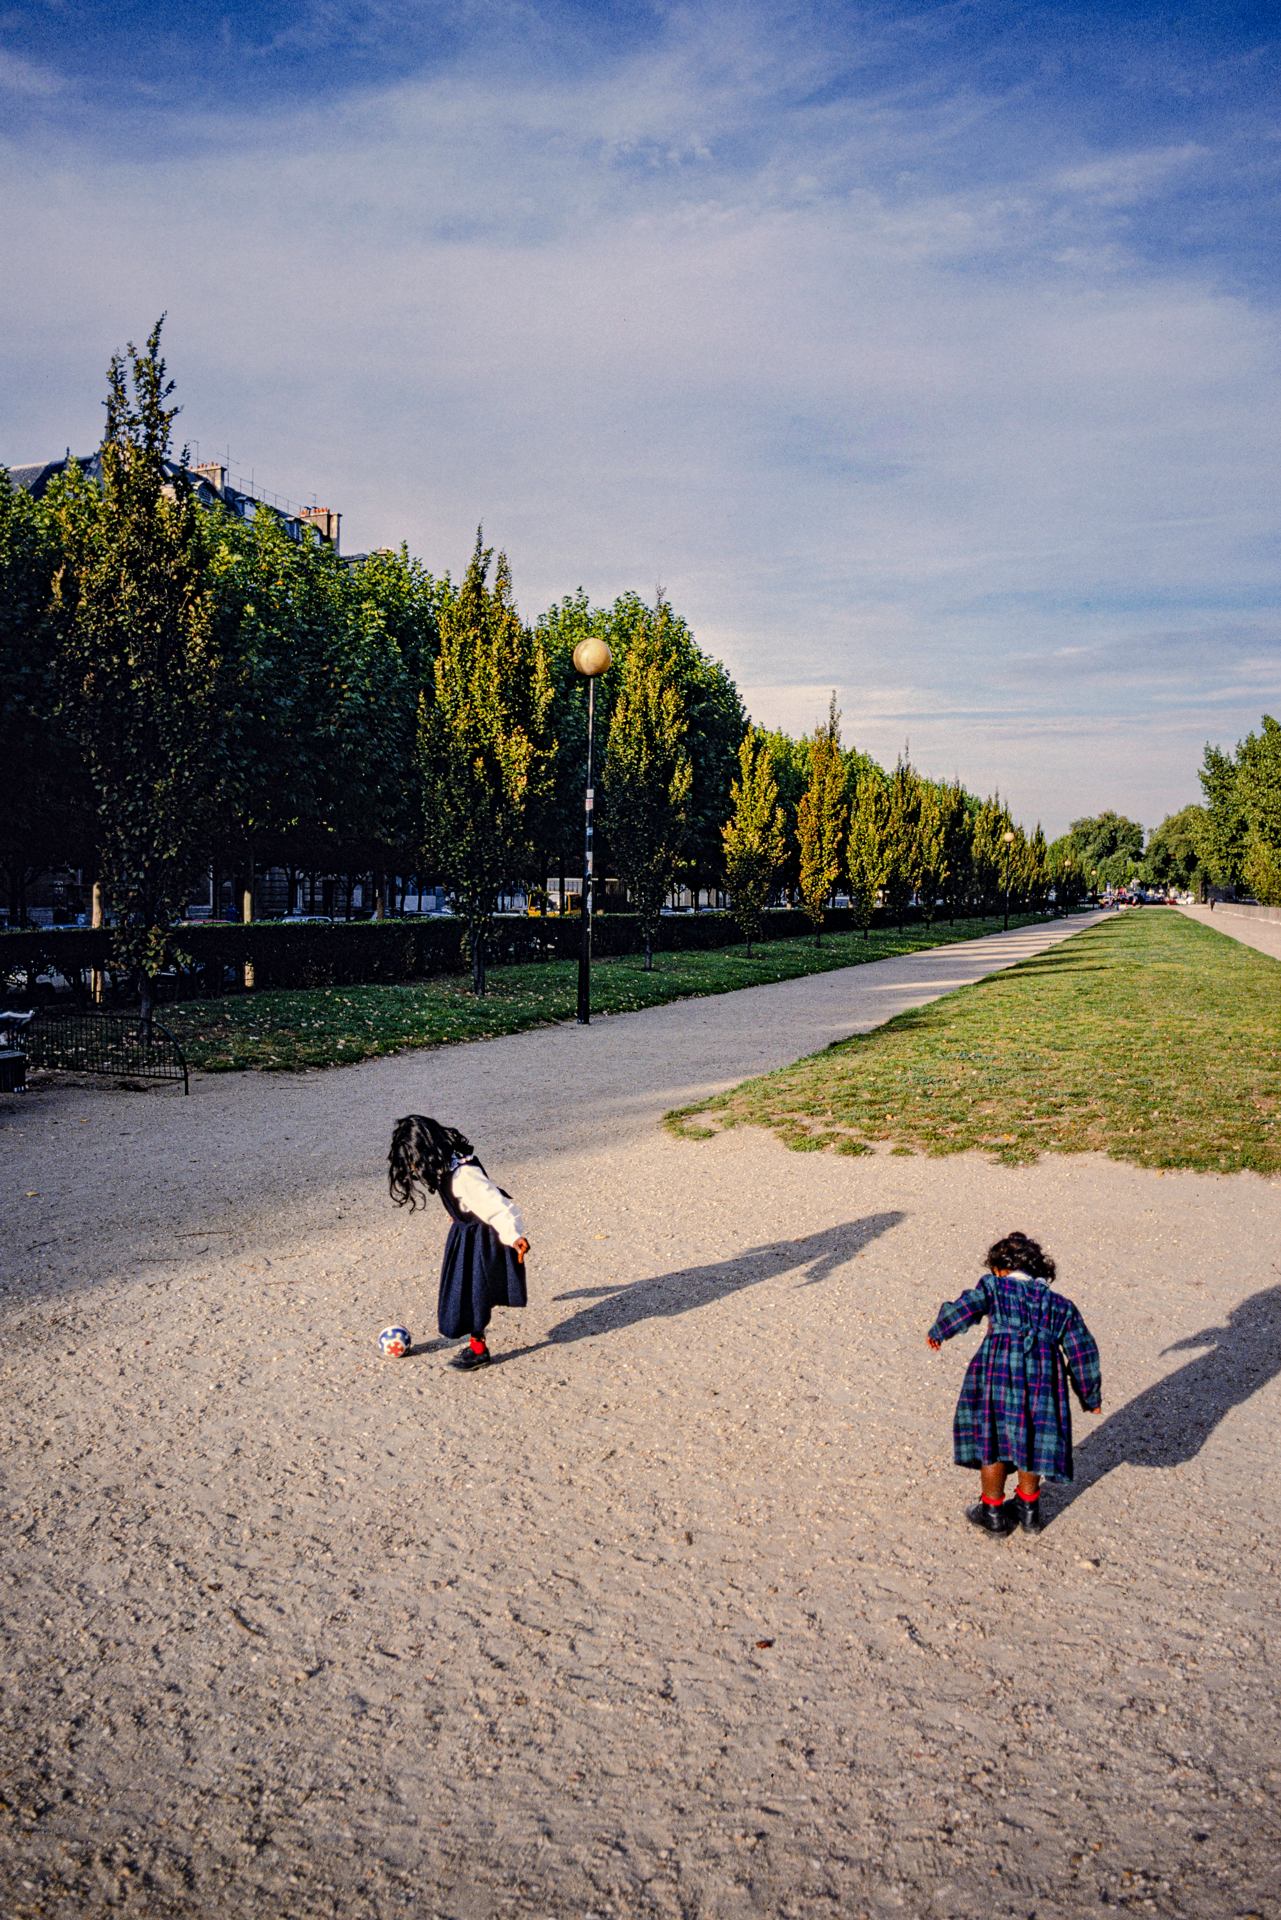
<point>421,1152</point>
<point>1018,1254</point>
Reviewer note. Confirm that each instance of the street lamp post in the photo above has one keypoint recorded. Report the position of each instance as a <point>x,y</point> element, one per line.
<point>591,658</point>
<point>1008,838</point>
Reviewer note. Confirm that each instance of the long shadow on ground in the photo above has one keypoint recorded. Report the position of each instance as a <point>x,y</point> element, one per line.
<point>1169,1422</point>
<point>668,1294</point>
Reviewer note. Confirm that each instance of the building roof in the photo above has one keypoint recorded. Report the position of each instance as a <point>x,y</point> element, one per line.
<point>211,483</point>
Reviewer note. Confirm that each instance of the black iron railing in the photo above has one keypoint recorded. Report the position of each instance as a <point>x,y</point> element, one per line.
<point>116,1044</point>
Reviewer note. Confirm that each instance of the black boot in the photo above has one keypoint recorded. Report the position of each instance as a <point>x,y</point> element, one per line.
<point>991,1519</point>
<point>469,1359</point>
<point>1029,1514</point>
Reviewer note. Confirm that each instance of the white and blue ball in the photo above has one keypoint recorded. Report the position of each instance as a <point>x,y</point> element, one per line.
<point>394,1342</point>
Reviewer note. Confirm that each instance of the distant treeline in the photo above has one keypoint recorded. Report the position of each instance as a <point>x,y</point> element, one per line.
<point>181,689</point>
<point>1231,845</point>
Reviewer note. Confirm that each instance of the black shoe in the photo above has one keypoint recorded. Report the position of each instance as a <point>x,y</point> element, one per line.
<point>991,1519</point>
<point>467,1360</point>
<point>1029,1514</point>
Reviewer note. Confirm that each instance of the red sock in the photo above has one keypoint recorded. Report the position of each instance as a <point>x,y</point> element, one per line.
<point>477,1344</point>
<point>1029,1497</point>
<point>993,1499</point>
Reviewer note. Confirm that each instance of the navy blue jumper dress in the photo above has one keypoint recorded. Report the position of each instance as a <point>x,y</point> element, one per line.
<point>478,1273</point>
<point>1014,1404</point>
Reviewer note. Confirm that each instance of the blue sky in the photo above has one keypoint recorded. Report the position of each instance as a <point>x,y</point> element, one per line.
<point>927,352</point>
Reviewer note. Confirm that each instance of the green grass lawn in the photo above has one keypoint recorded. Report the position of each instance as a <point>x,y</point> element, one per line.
<point>326,1027</point>
<point>1147,1037</point>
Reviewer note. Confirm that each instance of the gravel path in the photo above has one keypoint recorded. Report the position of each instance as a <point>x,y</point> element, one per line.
<point>674,1611</point>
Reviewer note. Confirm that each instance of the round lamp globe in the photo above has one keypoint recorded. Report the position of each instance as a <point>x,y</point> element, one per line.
<point>592,656</point>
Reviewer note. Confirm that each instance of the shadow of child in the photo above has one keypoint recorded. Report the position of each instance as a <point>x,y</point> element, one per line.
<point>667,1294</point>
<point>1169,1422</point>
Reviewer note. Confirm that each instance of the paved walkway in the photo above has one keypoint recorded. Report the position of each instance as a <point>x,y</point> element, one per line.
<point>1263,935</point>
<point>258,1155</point>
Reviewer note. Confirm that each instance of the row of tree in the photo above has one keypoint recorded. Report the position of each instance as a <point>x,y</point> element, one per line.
<point>832,821</point>
<point>181,688</point>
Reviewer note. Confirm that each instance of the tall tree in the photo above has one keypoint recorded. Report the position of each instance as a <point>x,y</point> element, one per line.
<point>865,851</point>
<point>1109,847</point>
<point>1067,876</point>
<point>46,804</point>
<point>1173,856</point>
<point>901,844</point>
<point>1259,796</point>
<point>648,775</point>
<point>557,816</point>
<point>484,746</point>
<point>931,846</point>
<point>753,836</point>
<point>958,809</point>
<point>1224,831</point>
<point>716,728</point>
<point>139,667</point>
<point>281,644</point>
<point>790,760</point>
<point>1034,869</point>
<point>989,852</point>
<point>820,820</point>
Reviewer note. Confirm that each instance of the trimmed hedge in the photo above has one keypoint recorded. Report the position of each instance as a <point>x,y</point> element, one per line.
<point>209,957</point>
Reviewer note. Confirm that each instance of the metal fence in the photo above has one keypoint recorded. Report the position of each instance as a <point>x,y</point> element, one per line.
<point>116,1044</point>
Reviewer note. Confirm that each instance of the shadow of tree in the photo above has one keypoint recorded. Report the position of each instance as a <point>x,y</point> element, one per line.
<point>668,1294</point>
<point>1169,1422</point>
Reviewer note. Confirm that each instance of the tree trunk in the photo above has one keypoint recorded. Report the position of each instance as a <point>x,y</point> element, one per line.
<point>146,1004</point>
<point>246,915</point>
<point>478,961</point>
<point>97,980</point>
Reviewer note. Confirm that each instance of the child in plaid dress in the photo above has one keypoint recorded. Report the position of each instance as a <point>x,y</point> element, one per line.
<point>1014,1413</point>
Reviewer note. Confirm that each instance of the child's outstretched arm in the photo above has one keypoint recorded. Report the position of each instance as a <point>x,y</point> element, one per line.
<point>475,1190</point>
<point>955,1315</point>
<point>1082,1357</point>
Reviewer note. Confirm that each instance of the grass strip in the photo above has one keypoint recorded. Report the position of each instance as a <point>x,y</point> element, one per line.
<point>1147,1037</point>
<point>324,1027</point>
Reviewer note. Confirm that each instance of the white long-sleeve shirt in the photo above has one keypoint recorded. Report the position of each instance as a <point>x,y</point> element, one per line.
<point>474,1190</point>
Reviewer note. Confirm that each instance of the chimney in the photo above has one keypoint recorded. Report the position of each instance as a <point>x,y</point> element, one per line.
<point>215,473</point>
<point>325,521</point>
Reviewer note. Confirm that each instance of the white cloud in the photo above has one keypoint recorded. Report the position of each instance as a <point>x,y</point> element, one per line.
<point>873,420</point>
<point>27,77</point>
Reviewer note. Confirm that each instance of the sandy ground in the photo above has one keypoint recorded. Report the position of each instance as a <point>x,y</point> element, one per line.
<point>672,1612</point>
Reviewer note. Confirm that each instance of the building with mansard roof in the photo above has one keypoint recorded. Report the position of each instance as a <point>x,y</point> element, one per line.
<point>213,483</point>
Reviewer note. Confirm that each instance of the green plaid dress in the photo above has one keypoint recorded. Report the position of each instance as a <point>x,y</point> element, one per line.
<point>1014,1403</point>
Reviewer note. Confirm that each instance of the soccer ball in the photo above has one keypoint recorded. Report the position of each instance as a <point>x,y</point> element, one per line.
<point>394,1342</point>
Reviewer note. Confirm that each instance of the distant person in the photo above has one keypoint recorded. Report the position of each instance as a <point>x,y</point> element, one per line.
<point>1014,1414</point>
<point>484,1261</point>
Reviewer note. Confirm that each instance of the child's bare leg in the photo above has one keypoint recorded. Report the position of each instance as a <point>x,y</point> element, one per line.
<point>991,1513</point>
<point>1029,1502</point>
<point>992,1480</point>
